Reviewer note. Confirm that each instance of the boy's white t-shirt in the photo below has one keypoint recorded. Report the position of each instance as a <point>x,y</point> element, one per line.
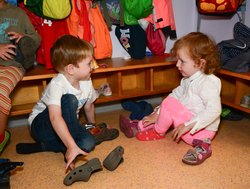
<point>59,86</point>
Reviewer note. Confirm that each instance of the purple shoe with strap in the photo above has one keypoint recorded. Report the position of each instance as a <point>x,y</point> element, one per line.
<point>127,126</point>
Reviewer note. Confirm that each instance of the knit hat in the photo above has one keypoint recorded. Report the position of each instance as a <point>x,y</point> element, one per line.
<point>133,39</point>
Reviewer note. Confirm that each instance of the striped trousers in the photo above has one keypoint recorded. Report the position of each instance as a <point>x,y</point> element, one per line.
<point>9,77</point>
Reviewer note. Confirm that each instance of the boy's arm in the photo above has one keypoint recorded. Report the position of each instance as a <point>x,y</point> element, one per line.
<point>89,109</point>
<point>62,131</point>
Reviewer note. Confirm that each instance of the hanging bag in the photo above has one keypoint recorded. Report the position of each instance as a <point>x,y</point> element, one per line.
<point>49,9</point>
<point>156,40</point>
<point>218,8</point>
<point>100,33</point>
<point>133,39</point>
<point>235,53</point>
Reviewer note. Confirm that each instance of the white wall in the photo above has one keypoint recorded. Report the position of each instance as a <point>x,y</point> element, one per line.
<point>185,13</point>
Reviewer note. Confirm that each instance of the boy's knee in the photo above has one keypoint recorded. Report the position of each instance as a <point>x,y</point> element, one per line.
<point>69,100</point>
<point>88,144</point>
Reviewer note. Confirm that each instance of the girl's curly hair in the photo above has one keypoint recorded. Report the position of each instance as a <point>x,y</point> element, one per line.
<point>199,46</point>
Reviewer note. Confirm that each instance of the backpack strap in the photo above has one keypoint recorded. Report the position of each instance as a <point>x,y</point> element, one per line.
<point>121,14</point>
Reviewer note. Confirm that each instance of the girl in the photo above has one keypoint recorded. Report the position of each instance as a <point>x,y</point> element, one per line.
<point>194,107</point>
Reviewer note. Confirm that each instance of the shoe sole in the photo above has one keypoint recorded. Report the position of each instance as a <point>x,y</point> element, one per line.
<point>5,142</point>
<point>123,124</point>
<point>114,158</point>
<point>83,172</point>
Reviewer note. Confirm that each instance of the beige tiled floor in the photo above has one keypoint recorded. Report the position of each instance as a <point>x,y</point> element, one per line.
<point>147,165</point>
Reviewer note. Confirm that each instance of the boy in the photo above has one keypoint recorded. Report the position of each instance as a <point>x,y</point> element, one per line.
<point>54,120</point>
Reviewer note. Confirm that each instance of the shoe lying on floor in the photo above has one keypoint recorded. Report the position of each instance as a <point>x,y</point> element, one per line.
<point>114,158</point>
<point>83,172</point>
<point>228,114</point>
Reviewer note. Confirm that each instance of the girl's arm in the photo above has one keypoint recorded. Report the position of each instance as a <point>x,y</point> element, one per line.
<point>181,130</point>
<point>210,95</point>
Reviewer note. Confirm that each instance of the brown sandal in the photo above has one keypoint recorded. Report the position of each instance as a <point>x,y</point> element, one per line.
<point>199,154</point>
<point>105,135</point>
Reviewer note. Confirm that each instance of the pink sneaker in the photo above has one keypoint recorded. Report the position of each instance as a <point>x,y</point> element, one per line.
<point>149,135</point>
<point>128,127</point>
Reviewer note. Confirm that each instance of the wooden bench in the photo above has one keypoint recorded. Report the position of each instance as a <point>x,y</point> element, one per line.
<point>234,87</point>
<point>128,79</point>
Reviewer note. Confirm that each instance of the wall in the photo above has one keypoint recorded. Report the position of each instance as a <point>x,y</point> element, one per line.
<point>186,17</point>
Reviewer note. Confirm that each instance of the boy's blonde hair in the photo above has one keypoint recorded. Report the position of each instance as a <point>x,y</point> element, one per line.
<point>199,46</point>
<point>69,49</point>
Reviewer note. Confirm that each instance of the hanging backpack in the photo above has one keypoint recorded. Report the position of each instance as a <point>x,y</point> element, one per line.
<point>112,12</point>
<point>156,40</point>
<point>218,8</point>
<point>100,33</point>
<point>235,53</point>
<point>49,9</point>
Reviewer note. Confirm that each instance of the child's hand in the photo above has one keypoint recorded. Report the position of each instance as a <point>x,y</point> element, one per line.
<point>15,36</point>
<point>7,51</point>
<point>179,131</point>
<point>71,154</point>
<point>150,119</point>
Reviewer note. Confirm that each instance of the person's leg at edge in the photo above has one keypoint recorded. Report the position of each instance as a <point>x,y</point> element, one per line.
<point>11,76</point>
